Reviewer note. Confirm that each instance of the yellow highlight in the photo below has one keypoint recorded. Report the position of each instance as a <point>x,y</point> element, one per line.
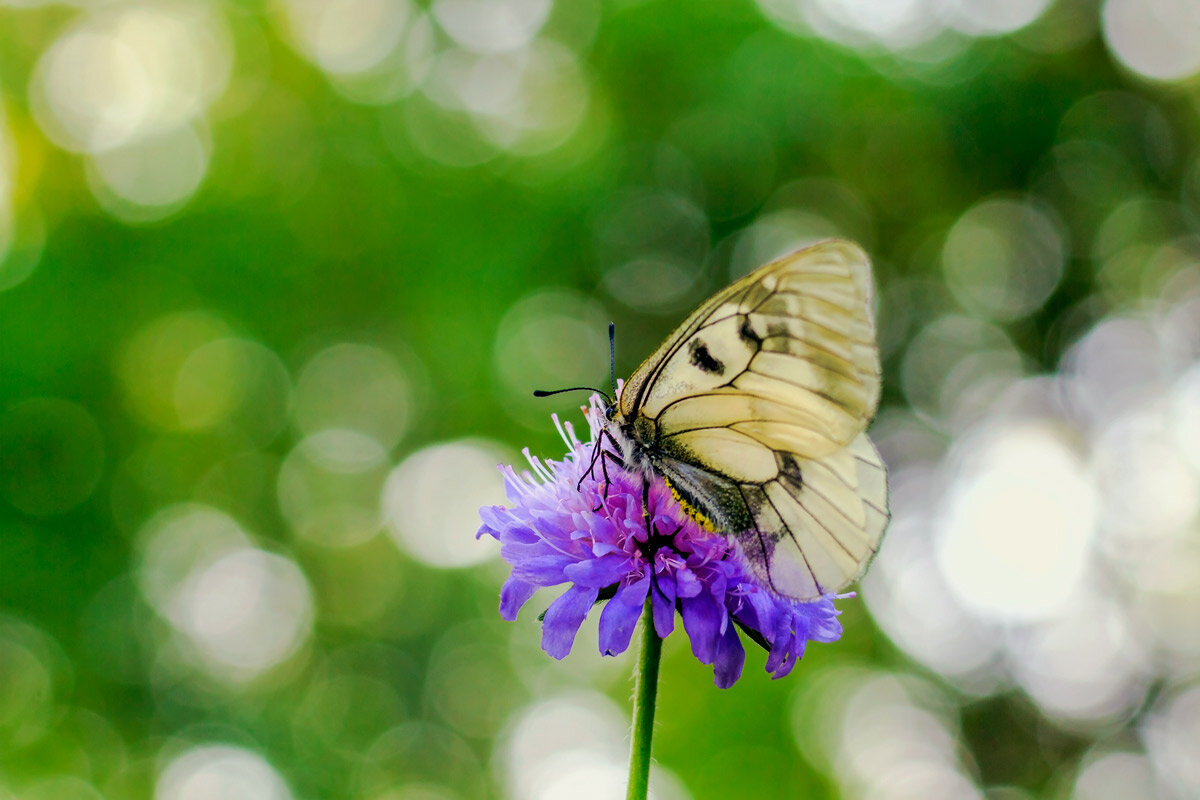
<point>701,520</point>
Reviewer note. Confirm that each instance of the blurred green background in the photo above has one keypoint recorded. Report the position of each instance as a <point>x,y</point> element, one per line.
<point>276,280</point>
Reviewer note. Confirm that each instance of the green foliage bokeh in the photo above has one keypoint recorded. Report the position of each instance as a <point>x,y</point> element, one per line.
<point>425,226</point>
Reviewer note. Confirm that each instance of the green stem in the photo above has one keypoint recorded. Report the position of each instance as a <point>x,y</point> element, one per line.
<point>644,695</point>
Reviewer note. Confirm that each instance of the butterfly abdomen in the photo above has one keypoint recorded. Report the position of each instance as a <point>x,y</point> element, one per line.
<point>696,514</point>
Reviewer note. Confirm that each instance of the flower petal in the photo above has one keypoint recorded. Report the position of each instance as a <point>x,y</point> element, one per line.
<point>782,639</point>
<point>789,661</point>
<point>514,489</point>
<point>513,595</point>
<point>824,626</point>
<point>687,584</point>
<point>600,549</point>
<point>605,533</point>
<point>758,611</point>
<point>502,524</point>
<point>542,570</point>
<point>703,620</point>
<point>599,572</point>
<point>549,526</point>
<point>563,618</point>
<point>620,616</point>
<point>731,657</point>
<point>662,602</point>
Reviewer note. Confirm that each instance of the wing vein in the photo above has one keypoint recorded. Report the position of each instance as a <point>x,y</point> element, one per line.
<point>827,529</point>
<point>840,512</point>
<point>817,323</point>
<point>811,345</point>
<point>796,543</point>
<point>818,364</point>
<point>766,560</point>
<point>833,400</point>
<point>680,338</point>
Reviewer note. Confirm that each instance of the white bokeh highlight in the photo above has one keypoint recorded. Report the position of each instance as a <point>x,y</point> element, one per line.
<point>1087,666</point>
<point>346,37</point>
<point>237,610</point>
<point>121,73</point>
<point>356,387</point>
<point>1171,733</point>
<point>572,745</point>
<point>893,737</point>
<point>1154,38</point>
<point>247,610</point>
<point>1018,523</point>
<point>431,501</point>
<point>1004,257</point>
<point>220,772</point>
<point>1116,775</point>
<point>329,485</point>
<point>152,176</point>
<point>488,26</point>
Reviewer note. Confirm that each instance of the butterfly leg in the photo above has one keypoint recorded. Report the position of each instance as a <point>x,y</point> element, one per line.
<point>597,450</point>
<point>603,455</point>
<point>646,508</point>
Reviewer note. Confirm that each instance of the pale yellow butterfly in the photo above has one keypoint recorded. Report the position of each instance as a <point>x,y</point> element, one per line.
<point>755,412</point>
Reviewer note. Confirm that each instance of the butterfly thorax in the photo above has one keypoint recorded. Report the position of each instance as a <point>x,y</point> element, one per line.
<point>636,438</point>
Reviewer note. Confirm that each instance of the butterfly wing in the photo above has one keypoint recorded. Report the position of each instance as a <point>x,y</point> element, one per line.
<point>818,524</point>
<point>755,409</point>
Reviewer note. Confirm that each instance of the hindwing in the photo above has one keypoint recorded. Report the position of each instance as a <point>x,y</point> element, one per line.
<point>818,524</point>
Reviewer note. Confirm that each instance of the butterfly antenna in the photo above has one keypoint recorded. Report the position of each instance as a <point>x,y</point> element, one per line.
<point>612,356</point>
<point>545,393</point>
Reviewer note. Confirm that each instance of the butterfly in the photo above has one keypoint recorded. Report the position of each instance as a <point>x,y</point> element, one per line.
<point>754,411</point>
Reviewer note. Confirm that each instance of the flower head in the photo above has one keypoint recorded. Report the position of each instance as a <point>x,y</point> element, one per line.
<point>566,524</point>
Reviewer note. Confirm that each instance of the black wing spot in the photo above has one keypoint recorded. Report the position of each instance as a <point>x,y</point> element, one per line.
<point>748,334</point>
<point>704,359</point>
<point>789,468</point>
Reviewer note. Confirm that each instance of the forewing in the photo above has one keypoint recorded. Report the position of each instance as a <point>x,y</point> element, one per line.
<point>784,359</point>
<point>818,524</point>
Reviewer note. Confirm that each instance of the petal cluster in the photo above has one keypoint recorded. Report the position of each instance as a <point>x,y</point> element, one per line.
<point>573,522</point>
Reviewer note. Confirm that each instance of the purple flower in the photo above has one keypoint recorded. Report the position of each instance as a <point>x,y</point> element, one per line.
<point>561,529</point>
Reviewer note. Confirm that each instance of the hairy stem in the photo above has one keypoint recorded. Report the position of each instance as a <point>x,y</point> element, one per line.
<point>644,696</point>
